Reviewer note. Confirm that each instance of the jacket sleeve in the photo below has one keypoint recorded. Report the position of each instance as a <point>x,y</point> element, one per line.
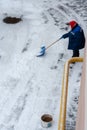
<point>65,35</point>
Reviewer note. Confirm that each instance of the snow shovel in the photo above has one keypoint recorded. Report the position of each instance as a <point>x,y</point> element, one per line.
<point>43,48</point>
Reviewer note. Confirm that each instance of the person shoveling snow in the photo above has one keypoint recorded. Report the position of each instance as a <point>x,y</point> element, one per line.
<point>76,38</point>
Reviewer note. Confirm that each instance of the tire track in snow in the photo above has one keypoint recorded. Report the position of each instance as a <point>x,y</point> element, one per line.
<point>67,13</point>
<point>9,116</point>
<point>80,8</point>
<point>71,14</point>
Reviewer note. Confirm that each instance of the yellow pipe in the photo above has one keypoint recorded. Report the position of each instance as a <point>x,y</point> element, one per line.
<point>63,104</point>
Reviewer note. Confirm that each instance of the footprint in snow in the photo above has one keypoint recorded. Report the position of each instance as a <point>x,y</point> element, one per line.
<point>79,77</point>
<point>25,48</point>
<point>58,61</point>
<point>60,57</point>
<point>71,68</point>
<point>53,67</point>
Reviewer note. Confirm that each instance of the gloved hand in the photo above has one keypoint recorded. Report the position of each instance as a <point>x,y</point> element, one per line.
<point>65,35</point>
<point>62,36</point>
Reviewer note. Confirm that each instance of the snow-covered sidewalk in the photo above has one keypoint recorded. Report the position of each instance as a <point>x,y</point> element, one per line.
<point>31,86</point>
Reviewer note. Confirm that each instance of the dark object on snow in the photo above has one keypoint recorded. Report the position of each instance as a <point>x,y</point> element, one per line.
<point>11,20</point>
<point>46,120</point>
<point>76,38</point>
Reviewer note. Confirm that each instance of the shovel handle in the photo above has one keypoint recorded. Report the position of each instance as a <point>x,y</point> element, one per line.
<point>53,43</point>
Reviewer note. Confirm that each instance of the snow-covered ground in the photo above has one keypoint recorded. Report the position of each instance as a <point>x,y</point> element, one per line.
<point>31,86</point>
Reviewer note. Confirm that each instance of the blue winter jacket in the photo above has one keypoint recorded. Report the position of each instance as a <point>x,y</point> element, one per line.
<point>76,38</point>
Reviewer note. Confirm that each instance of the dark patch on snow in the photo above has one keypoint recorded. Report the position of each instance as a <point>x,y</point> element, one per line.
<point>79,74</point>
<point>78,80</point>
<point>45,1</point>
<point>2,38</point>
<point>25,48</point>
<point>64,28</point>
<point>76,99</point>
<point>53,67</point>
<point>8,127</point>
<point>11,20</point>
<point>64,9</point>
<point>11,127</point>
<point>53,12</point>
<point>59,60</point>
<point>5,14</point>
<point>60,57</point>
<point>45,18</point>
<point>71,66</point>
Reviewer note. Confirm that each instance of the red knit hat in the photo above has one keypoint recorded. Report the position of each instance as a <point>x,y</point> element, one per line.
<point>72,23</point>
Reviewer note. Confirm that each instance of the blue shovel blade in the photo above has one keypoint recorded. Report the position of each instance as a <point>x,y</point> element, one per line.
<point>42,52</point>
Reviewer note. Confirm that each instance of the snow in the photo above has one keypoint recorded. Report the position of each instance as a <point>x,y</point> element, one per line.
<point>30,86</point>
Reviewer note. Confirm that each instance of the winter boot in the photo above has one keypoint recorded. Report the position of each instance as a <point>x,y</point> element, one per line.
<point>75,53</point>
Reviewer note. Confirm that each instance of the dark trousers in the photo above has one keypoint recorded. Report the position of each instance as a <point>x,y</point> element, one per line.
<point>75,53</point>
